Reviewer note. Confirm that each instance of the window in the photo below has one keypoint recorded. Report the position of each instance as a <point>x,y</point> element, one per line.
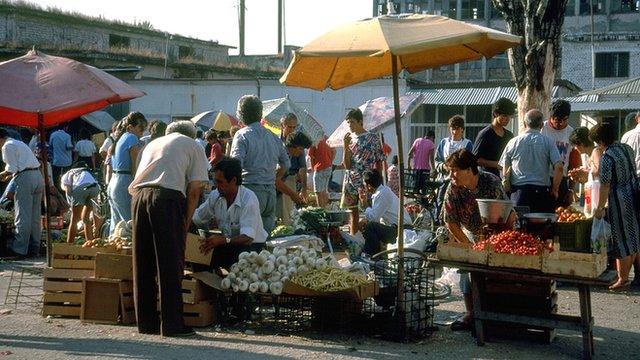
<point>570,10</point>
<point>117,41</point>
<point>441,7</point>
<point>500,61</point>
<point>472,9</point>
<point>624,6</point>
<point>612,64</point>
<point>598,7</point>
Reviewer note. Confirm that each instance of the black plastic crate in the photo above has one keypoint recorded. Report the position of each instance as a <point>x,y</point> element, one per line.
<point>575,236</point>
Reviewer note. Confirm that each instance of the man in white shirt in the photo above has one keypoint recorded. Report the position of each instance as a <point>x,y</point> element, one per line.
<point>24,167</point>
<point>559,130</point>
<point>166,188</point>
<point>632,138</point>
<point>380,226</point>
<point>85,150</point>
<point>235,210</point>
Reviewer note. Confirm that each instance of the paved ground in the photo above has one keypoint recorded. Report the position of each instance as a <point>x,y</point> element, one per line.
<point>24,334</point>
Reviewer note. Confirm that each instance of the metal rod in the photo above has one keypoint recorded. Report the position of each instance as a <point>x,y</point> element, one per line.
<point>45,160</point>
<point>396,108</point>
<point>593,53</point>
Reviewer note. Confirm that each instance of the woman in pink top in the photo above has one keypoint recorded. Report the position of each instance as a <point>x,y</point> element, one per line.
<point>422,152</point>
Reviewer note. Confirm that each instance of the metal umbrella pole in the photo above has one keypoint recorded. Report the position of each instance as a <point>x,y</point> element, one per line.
<point>396,108</point>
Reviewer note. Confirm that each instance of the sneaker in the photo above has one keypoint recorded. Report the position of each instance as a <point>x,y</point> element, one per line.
<point>185,332</point>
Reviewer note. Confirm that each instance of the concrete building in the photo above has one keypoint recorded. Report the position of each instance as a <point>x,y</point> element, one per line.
<point>616,47</point>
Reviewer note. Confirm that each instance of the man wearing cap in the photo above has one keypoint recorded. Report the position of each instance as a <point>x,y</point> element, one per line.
<point>492,140</point>
<point>558,129</point>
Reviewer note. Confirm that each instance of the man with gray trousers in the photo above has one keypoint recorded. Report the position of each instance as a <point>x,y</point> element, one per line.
<point>24,167</point>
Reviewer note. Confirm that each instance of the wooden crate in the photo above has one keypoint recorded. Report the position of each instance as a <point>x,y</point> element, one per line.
<point>194,290</point>
<point>452,251</point>
<point>200,314</point>
<point>575,264</point>
<point>114,266</point>
<point>70,256</point>
<point>100,301</point>
<point>515,261</point>
<point>127,307</point>
<point>63,291</point>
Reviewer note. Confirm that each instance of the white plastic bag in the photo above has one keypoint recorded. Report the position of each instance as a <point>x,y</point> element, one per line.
<point>449,277</point>
<point>600,234</point>
<point>416,240</point>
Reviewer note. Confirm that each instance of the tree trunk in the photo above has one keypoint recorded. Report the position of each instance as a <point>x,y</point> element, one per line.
<point>534,63</point>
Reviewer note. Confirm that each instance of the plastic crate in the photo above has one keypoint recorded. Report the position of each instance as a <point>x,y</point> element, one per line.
<point>575,236</point>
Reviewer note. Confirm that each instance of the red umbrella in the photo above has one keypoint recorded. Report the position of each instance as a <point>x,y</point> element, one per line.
<point>56,89</point>
<point>41,91</point>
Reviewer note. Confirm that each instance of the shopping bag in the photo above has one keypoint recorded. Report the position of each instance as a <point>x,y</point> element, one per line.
<point>600,234</point>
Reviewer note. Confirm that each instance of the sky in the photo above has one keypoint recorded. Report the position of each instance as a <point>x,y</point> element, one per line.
<point>218,19</point>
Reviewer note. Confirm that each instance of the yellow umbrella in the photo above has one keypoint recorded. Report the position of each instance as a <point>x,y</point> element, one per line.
<point>384,46</point>
<point>222,122</point>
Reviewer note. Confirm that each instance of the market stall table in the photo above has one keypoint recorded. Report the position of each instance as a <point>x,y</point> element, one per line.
<point>583,323</point>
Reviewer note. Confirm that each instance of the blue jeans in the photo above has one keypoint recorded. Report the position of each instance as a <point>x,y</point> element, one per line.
<point>119,199</point>
<point>266,195</point>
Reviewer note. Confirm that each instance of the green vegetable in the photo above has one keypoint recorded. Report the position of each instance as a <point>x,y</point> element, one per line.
<point>282,230</point>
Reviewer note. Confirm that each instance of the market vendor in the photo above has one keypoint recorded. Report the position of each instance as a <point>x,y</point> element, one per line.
<point>380,224</point>
<point>461,214</point>
<point>235,210</point>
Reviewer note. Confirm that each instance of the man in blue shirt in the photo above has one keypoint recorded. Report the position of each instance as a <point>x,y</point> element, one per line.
<point>526,160</point>
<point>60,142</point>
<point>261,152</point>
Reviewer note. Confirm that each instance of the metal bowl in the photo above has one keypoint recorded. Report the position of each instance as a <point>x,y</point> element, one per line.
<point>494,211</point>
<point>540,218</point>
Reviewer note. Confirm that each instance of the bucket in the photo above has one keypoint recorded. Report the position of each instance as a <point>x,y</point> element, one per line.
<point>494,211</point>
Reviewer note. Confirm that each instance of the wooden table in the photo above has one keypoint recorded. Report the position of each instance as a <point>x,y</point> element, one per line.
<point>583,323</point>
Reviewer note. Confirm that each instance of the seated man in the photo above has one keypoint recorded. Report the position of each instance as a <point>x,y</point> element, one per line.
<point>380,226</point>
<point>234,209</point>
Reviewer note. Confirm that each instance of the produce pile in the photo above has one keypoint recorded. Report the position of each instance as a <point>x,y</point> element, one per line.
<point>309,219</point>
<point>328,279</point>
<point>6,217</point>
<point>513,242</point>
<point>569,214</point>
<point>281,230</point>
<point>121,237</point>
<point>267,271</point>
<point>413,209</point>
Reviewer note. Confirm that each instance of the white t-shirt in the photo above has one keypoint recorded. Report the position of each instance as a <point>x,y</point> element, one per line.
<point>171,162</point>
<point>85,148</point>
<point>106,144</point>
<point>561,139</point>
<point>76,178</point>
<point>632,138</point>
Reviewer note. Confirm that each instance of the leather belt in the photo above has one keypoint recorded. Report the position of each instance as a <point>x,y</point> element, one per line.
<point>128,172</point>
<point>27,169</point>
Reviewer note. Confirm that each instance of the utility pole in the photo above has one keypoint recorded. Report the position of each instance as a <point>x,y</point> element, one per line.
<point>280,51</point>
<point>241,23</point>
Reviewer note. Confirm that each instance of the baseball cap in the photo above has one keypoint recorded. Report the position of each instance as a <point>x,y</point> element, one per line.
<point>504,106</point>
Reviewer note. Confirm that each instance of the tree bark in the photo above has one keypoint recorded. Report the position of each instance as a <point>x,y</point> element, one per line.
<point>534,63</point>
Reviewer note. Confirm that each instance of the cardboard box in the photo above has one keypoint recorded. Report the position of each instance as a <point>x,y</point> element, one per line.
<point>192,251</point>
<point>100,301</point>
<point>194,290</point>
<point>114,266</point>
<point>359,293</point>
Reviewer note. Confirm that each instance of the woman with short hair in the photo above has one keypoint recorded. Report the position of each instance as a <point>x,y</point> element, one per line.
<point>619,190</point>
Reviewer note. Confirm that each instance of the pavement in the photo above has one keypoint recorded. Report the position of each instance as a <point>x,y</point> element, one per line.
<point>25,334</point>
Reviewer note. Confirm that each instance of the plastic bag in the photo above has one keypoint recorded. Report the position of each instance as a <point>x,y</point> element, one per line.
<point>600,234</point>
<point>450,277</point>
<point>416,240</point>
<point>355,243</point>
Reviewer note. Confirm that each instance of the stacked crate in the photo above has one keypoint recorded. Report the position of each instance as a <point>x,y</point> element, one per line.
<point>198,302</point>
<point>509,295</point>
<point>63,291</point>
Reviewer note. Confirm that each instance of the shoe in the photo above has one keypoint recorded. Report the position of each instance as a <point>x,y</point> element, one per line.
<point>185,332</point>
<point>14,255</point>
<point>620,287</point>
<point>460,325</point>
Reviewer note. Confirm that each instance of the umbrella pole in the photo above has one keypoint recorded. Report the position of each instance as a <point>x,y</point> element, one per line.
<point>396,108</point>
<point>44,153</point>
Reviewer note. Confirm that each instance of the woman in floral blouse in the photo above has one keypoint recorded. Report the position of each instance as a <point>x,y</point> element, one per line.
<point>362,151</point>
<point>461,211</point>
<point>393,177</point>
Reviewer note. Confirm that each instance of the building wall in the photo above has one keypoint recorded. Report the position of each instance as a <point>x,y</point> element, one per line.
<point>29,27</point>
<point>576,61</point>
